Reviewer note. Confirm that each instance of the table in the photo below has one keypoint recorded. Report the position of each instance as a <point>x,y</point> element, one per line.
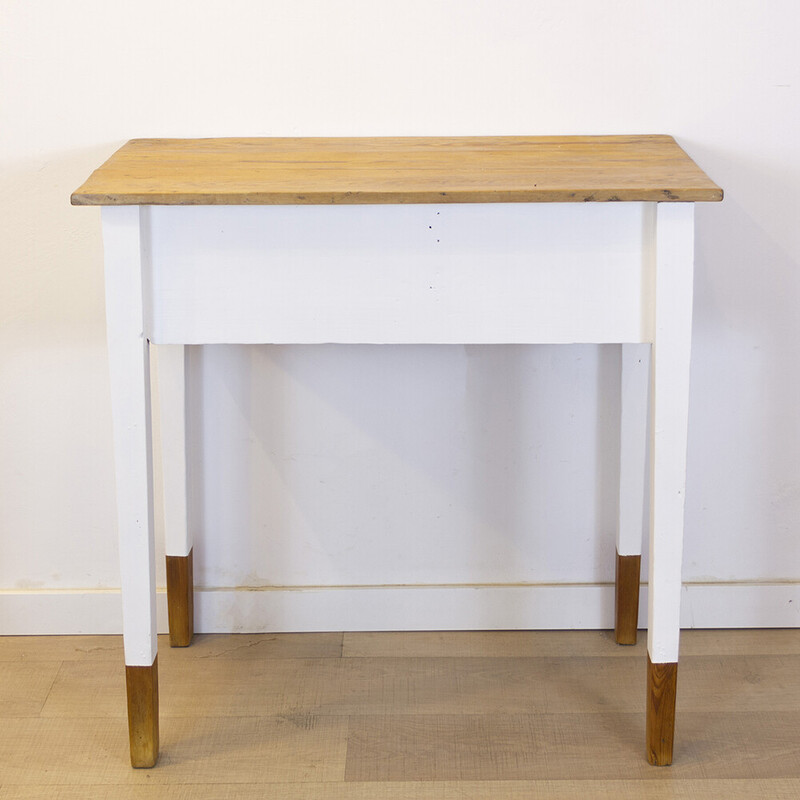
<point>412,240</point>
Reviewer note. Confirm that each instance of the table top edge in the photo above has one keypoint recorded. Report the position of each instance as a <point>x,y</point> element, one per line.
<point>397,170</point>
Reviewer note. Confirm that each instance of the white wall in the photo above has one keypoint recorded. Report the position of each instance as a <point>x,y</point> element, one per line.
<point>443,465</point>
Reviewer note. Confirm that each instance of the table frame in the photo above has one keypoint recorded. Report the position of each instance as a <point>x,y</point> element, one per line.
<point>658,357</point>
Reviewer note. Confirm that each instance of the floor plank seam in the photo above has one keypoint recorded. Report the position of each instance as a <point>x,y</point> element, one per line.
<point>50,688</point>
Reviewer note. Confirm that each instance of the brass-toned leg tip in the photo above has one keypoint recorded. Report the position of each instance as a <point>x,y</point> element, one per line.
<point>662,682</point>
<point>144,761</point>
<point>626,599</point>
<point>142,687</point>
<point>180,599</point>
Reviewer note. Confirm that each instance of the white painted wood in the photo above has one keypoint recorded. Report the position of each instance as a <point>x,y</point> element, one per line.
<point>129,367</point>
<point>461,273</point>
<point>537,607</point>
<point>171,361</point>
<point>634,411</point>
<point>56,469</point>
<point>466,273</point>
<point>669,424</point>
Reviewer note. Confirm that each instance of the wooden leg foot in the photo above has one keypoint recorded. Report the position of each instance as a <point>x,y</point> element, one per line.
<point>626,606</point>
<point>180,600</point>
<point>662,682</point>
<point>142,683</point>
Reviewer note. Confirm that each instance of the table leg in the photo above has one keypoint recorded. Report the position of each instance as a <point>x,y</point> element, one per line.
<point>180,579</point>
<point>668,431</point>
<point>129,368</point>
<point>635,380</point>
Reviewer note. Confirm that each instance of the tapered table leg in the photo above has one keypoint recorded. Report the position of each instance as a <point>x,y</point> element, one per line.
<point>129,369</point>
<point>177,536</point>
<point>634,388</point>
<point>668,431</point>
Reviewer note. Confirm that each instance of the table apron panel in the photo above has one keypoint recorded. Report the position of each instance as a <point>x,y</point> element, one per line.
<point>469,273</point>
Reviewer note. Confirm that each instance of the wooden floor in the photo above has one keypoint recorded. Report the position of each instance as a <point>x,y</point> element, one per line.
<point>434,716</point>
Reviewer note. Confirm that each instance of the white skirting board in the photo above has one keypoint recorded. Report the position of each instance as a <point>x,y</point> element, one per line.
<point>542,607</point>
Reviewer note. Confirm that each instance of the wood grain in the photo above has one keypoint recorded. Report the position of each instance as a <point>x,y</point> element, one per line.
<point>476,644</point>
<point>397,170</point>
<point>558,747</point>
<point>771,642</point>
<point>662,683</point>
<point>226,751</point>
<point>208,645</point>
<point>24,687</point>
<point>194,751</point>
<point>434,716</point>
<point>60,648</point>
<point>258,646</point>
<point>142,690</point>
<point>180,599</point>
<point>759,643</point>
<point>626,598</point>
<point>342,687</point>
<point>696,789</point>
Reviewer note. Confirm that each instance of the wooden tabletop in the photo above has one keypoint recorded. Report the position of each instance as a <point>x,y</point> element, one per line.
<point>397,170</point>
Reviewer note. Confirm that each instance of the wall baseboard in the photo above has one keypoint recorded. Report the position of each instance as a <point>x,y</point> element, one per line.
<point>542,607</point>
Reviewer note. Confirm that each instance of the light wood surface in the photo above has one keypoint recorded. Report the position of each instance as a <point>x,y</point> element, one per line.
<point>436,716</point>
<point>180,599</point>
<point>397,170</point>
<point>693,789</point>
<point>24,687</point>
<point>626,598</point>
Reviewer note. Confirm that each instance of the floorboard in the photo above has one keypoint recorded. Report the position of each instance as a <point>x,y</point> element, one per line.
<point>434,716</point>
